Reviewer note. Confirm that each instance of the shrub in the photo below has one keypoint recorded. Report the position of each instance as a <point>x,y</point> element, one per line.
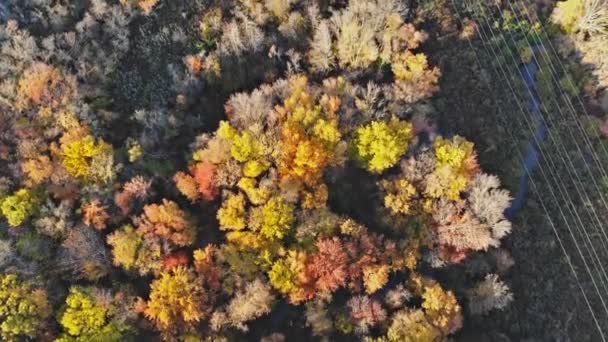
<point>34,246</point>
<point>7,253</point>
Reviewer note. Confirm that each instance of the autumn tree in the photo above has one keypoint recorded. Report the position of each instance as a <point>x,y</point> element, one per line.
<point>160,230</point>
<point>329,265</point>
<point>38,170</point>
<point>95,214</point>
<point>489,294</point>
<point>380,144</point>
<point>89,315</point>
<point>204,174</point>
<point>411,325</point>
<point>85,157</point>
<point>310,137</point>
<point>19,206</point>
<point>166,221</point>
<point>82,255</point>
<point>23,309</point>
<point>126,244</point>
<point>415,79</point>
<point>253,301</point>
<point>441,308</point>
<point>232,213</point>
<point>456,162</point>
<point>43,85</point>
<point>137,189</point>
<point>186,184</point>
<point>276,219</point>
<point>177,300</point>
<point>400,196</point>
<point>365,312</point>
<point>288,276</point>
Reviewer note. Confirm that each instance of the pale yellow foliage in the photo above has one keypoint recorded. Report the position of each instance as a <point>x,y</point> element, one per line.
<point>38,170</point>
<point>375,277</point>
<point>399,196</point>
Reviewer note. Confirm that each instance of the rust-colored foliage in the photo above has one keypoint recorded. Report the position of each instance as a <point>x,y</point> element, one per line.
<point>174,260</point>
<point>94,214</point>
<point>366,252</point>
<point>194,64</point>
<point>204,173</point>
<point>205,264</point>
<point>123,201</point>
<point>186,184</point>
<point>136,189</point>
<point>329,265</point>
<point>167,221</point>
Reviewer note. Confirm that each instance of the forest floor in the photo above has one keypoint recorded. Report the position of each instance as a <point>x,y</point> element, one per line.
<point>548,305</point>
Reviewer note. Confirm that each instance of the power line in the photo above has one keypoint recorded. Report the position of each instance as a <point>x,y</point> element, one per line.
<point>554,73</point>
<point>531,179</point>
<point>595,260</point>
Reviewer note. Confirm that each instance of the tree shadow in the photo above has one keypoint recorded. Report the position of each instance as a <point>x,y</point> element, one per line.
<point>472,97</point>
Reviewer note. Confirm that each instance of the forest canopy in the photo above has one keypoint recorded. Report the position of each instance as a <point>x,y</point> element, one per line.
<point>218,170</point>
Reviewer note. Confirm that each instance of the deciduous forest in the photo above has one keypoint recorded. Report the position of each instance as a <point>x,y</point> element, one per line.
<point>303,170</point>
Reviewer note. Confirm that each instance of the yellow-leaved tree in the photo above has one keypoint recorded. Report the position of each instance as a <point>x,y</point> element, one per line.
<point>177,300</point>
<point>380,144</point>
